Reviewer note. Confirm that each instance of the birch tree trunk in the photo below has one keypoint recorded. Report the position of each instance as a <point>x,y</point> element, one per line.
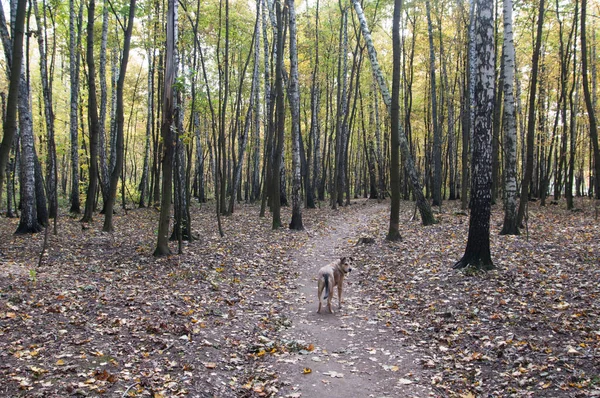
<point>424,208</point>
<point>510,226</point>
<point>294,94</point>
<point>29,221</point>
<point>477,253</point>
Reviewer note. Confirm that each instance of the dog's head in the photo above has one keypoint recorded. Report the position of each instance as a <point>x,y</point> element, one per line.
<point>346,264</point>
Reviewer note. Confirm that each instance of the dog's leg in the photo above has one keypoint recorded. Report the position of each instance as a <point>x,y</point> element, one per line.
<point>340,294</point>
<point>330,288</point>
<point>320,290</point>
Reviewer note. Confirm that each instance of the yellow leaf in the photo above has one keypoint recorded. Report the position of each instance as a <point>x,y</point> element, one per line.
<point>306,371</point>
<point>60,362</point>
<point>261,353</point>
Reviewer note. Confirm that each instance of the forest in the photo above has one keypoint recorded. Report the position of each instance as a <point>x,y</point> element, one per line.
<point>173,173</point>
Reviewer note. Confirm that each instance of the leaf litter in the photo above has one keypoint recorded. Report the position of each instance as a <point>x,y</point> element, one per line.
<point>101,316</point>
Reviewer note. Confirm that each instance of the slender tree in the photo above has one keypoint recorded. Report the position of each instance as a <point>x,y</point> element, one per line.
<point>162,247</point>
<point>74,59</point>
<point>437,135</point>
<point>116,173</point>
<point>531,118</point>
<point>294,94</point>
<point>15,62</point>
<point>588,101</point>
<point>509,124</point>
<point>477,253</point>
<point>92,116</point>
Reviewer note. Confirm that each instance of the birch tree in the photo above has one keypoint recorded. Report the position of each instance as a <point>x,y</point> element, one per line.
<point>294,94</point>
<point>477,253</point>
<point>509,124</point>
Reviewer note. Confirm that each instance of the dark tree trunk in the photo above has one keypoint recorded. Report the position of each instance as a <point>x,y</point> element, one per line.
<point>531,119</point>
<point>162,247</point>
<point>477,253</point>
<point>116,173</point>
<point>93,118</point>
<point>588,102</point>
<point>15,64</point>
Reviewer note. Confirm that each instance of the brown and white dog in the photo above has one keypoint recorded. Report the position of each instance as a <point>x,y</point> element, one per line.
<point>330,276</point>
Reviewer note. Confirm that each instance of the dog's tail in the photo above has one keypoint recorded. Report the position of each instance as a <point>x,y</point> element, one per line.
<point>326,277</point>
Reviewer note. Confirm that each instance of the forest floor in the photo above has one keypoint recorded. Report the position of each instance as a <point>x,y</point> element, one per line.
<point>236,316</point>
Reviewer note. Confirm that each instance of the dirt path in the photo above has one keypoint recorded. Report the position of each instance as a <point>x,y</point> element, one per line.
<point>355,354</point>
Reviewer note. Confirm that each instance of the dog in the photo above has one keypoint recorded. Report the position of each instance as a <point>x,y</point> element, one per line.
<point>330,276</point>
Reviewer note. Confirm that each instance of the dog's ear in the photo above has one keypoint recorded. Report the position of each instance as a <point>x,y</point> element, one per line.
<point>343,260</point>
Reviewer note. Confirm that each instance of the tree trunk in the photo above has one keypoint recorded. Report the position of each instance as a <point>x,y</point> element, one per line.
<point>294,94</point>
<point>477,253</point>
<point>116,173</point>
<point>15,63</point>
<point>92,116</point>
<point>280,124</point>
<point>74,42</point>
<point>104,173</point>
<point>49,116</point>
<point>531,118</point>
<point>437,135</point>
<point>510,226</point>
<point>588,101</point>
<point>29,221</point>
<point>162,247</point>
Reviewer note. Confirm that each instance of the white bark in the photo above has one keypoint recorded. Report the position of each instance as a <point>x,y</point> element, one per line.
<point>294,94</point>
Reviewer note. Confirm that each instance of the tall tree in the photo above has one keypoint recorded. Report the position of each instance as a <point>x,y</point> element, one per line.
<point>531,118</point>
<point>92,116</point>
<point>477,253</point>
<point>409,164</point>
<point>437,135</point>
<point>74,59</point>
<point>509,124</point>
<point>15,62</point>
<point>394,228</point>
<point>588,101</point>
<point>294,94</point>
<point>116,173</point>
<point>48,112</point>
<point>280,122</point>
<point>162,246</point>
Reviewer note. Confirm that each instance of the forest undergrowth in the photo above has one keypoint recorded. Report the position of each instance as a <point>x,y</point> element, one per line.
<point>102,317</point>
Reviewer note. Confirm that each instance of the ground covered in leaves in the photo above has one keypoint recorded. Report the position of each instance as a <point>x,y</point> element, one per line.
<point>235,316</point>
